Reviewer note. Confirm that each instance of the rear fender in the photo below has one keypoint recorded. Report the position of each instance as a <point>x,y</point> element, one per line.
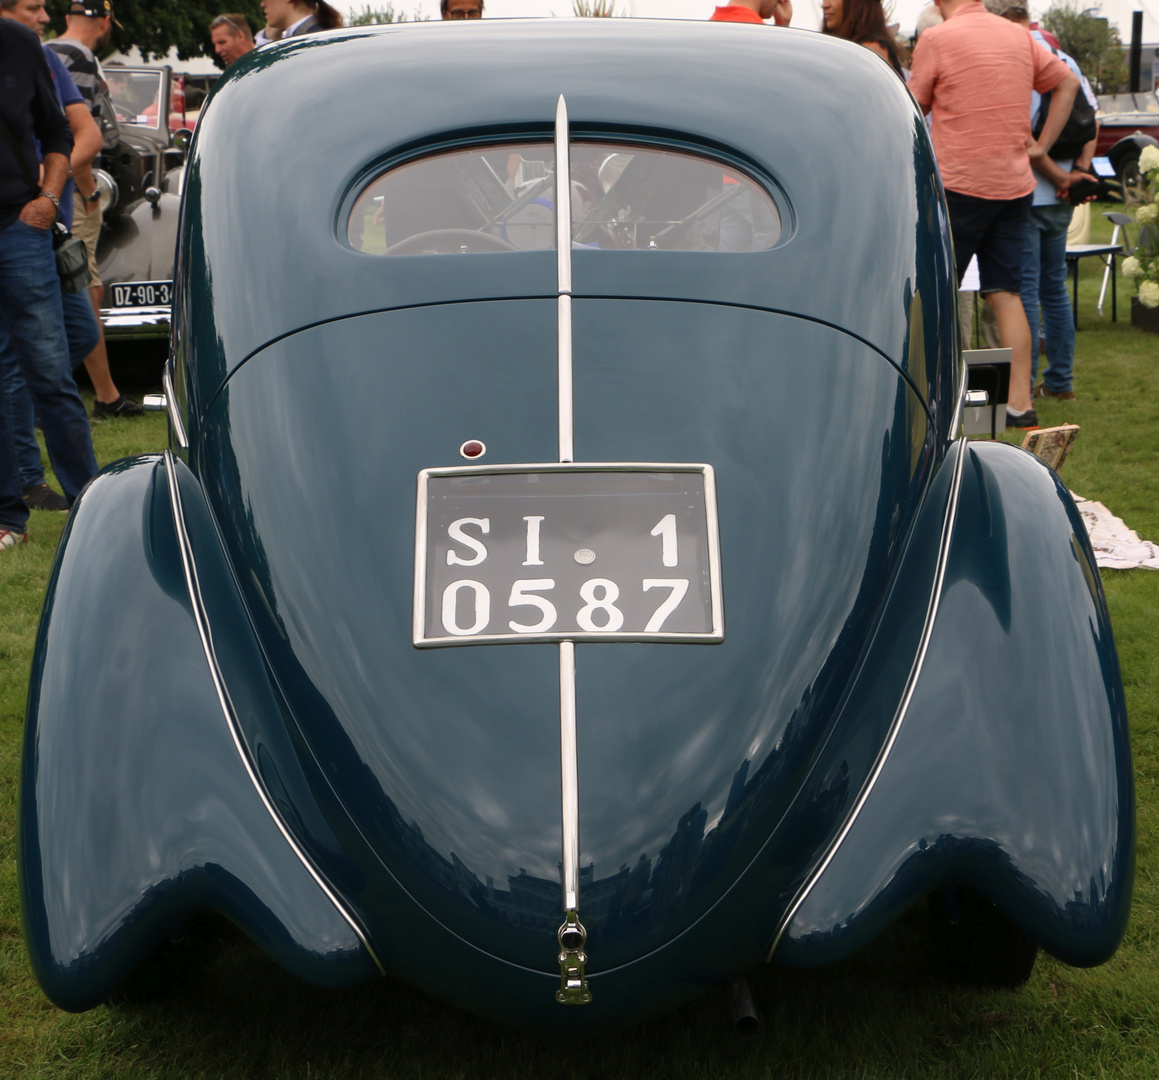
<point>139,804</point>
<point>1010,772</point>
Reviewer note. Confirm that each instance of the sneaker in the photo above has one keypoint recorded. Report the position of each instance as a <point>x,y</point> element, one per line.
<point>1022,420</point>
<point>11,538</point>
<point>123,406</point>
<point>42,497</point>
<point>1042,391</point>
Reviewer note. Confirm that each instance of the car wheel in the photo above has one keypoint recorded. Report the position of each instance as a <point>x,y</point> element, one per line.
<point>177,966</point>
<point>975,943</point>
<point>1131,181</point>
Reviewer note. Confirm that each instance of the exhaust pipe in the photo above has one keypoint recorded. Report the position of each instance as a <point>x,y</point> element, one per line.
<point>745,1020</point>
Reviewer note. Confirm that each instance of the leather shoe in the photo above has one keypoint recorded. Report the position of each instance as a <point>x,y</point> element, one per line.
<point>1041,391</point>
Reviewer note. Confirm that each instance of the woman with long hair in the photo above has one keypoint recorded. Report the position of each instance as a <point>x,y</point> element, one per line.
<point>863,22</point>
<point>292,18</point>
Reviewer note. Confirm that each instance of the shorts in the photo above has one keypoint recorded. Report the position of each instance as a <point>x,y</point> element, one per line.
<point>995,231</point>
<point>88,228</point>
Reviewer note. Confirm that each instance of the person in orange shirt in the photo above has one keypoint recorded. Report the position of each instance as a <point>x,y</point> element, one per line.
<point>755,11</point>
<point>975,73</point>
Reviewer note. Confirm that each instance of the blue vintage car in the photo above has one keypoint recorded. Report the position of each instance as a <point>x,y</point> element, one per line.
<point>566,587</point>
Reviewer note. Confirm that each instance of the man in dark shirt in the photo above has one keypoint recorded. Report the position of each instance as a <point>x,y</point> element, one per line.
<point>88,25</point>
<point>29,286</point>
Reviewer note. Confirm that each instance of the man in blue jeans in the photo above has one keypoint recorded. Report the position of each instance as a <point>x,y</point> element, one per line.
<point>30,305</point>
<point>1044,249</point>
<point>80,322</point>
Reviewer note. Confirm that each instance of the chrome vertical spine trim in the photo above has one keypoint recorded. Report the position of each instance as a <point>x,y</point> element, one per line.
<point>903,706</point>
<point>563,275</point>
<point>562,197</point>
<point>572,935</point>
<point>569,776</point>
<point>566,439</point>
<point>192,585</point>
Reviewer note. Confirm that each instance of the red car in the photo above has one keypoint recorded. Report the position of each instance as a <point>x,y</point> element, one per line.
<point>1127,123</point>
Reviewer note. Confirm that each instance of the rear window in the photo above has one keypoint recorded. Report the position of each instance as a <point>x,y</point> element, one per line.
<point>501,198</point>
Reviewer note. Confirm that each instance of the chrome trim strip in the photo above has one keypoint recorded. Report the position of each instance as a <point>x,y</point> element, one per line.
<point>574,466</point>
<point>903,706</point>
<point>203,630</point>
<point>562,197</point>
<point>171,407</point>
<point>566,430</point>
<point>714,553</point>
<point>418,606</point>
<point>563,275</point>
<point>960,409</point>
<point>569,776</point>
<point>418,603</point>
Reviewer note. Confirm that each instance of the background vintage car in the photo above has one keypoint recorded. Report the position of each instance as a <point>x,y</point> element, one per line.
<point>141,180</point>
<point>1127,123</point>
<point>894,677</point>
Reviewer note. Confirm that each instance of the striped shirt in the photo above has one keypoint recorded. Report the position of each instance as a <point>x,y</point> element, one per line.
<point>86,73</point>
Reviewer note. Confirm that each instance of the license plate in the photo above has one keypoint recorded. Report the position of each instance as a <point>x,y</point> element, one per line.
<point>140,294</point>
<point>567,552</point>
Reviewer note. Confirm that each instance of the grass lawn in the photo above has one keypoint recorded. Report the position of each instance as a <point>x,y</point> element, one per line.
<point>880,1014</point>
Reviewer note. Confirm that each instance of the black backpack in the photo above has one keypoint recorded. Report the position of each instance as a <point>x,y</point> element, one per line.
<point>1080,126</point>
<point>101,105</point>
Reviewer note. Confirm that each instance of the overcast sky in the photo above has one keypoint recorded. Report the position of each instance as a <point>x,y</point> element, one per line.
<point>806,13</point>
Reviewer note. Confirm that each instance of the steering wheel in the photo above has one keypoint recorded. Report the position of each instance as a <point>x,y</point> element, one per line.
<point>449,242</point>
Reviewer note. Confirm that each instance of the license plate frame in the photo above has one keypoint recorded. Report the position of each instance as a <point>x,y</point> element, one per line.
<point>588,554</point>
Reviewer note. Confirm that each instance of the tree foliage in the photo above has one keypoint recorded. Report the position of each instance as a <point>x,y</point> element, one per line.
<point>594,9</point>
<point>1092,41</point>
<point>369,16</point>
<point>155,28</point>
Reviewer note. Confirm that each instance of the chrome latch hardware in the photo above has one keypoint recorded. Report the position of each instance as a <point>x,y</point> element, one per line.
<point>573,985</point>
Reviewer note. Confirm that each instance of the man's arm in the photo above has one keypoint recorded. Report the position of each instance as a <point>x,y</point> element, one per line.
<point>1063,180</point>
<point>86,145</point>
<point>1083,161</point>
<point>921,82</point>
<point>40,213</point>
<point>1057,175</point>
<point>50,126</point>
<point>1061,101</point>
<point>783,13</point>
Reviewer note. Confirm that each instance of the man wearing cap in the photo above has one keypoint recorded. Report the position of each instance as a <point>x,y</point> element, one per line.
<point>89,25</point>
<point>29,284</point>
<point>975,74</point>
<point>231,36</point>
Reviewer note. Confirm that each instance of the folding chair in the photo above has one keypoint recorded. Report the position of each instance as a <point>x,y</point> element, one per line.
<point>1121,222</point>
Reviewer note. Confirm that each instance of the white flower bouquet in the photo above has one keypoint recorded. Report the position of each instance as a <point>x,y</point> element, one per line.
<point>1143,266</point>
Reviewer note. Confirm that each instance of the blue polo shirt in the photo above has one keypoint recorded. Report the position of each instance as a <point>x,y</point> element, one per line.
<point>67,94</point>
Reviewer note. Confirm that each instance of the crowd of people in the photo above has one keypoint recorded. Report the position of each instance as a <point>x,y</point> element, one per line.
<point>233,36</point>
<point>996,91</point>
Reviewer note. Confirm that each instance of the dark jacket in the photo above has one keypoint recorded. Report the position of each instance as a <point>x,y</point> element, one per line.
<point>309,26</point>
<point>31,110</point>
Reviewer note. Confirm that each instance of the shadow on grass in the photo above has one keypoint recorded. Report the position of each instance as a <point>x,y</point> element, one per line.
<point>241,1015</point>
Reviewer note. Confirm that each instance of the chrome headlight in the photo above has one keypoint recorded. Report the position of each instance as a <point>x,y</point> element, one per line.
<point>107,186</point>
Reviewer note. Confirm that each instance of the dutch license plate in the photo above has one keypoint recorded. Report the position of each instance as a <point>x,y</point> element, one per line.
<point>140,294</point>
<point>567,552</point>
